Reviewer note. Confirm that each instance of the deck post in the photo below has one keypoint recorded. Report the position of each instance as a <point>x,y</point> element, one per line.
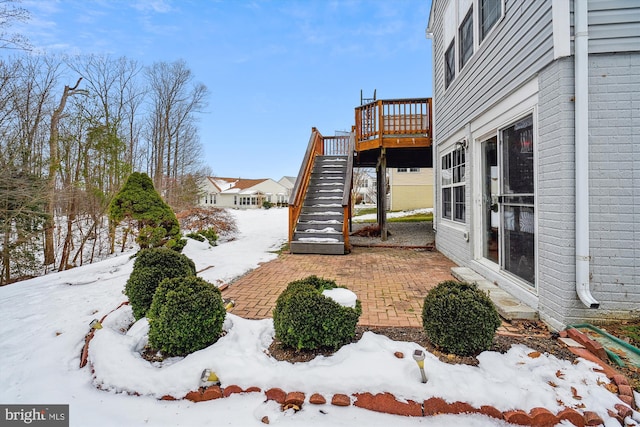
<point>381,178</point>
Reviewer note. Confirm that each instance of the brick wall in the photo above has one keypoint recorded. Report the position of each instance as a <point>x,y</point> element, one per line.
<point>614,181</point>
<point>556,192</point>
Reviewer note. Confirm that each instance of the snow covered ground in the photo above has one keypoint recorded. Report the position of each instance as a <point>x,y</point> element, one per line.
<point>43,323</point>
<point>373,216</point>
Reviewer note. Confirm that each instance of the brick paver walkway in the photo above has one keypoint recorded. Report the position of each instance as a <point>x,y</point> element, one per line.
<point>391,283</point>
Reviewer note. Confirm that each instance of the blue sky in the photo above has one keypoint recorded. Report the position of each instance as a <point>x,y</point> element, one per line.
<point>274,68</point>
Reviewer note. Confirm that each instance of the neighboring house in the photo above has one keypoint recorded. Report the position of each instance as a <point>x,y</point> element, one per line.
<point>364,186</point>
<point>410,188</point>
<point>537,150</point>
<point>242,193</point>
<point>288,182</point>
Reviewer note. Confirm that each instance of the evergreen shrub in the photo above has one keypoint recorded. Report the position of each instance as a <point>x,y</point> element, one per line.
<point>305,319</point>
<point>186,315</point>
<point>149,269</point>
<point>139,201</point>
<point>459,318</point>
<point>208,234</point>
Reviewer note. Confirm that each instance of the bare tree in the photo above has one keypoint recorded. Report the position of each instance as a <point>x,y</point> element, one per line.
<point>175,100</point>
<point>9,14</point>
<point>49,251</point>
<point>117,95</point>
<point>112,129</point>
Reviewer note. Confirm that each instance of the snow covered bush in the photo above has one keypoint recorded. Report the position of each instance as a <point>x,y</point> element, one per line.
<point>149,269</point>
<point>459,318</point>
<point>304,318</point>
<point>186,315</point>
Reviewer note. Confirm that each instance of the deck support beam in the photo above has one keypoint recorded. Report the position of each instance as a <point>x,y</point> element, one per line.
<point>381,181</point>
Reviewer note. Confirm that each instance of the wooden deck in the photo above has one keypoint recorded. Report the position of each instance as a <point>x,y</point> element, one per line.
<point>396,123</point>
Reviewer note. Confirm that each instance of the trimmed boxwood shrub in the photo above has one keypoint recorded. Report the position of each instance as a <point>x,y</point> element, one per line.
<point>305,319</point>
<point>149,269</point>
<point>459,318</point>
<point>186,315</point>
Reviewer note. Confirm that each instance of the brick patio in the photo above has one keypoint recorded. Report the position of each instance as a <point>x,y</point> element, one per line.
<point>391,283</point>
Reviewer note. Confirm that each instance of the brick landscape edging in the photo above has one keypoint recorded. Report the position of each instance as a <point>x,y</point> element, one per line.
<point>387,402</point>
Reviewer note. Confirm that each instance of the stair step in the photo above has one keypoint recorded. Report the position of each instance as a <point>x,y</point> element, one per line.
<point>323,208</point>
<point>309,217</point>
<point>318,237</point>
<point>323,248</point>
<point>336,226</point>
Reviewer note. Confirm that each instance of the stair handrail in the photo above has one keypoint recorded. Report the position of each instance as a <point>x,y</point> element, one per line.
<point>348,184</point>
<point>314,147</point>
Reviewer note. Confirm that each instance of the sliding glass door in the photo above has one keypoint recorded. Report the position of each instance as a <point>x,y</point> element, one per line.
<point>508,201</point>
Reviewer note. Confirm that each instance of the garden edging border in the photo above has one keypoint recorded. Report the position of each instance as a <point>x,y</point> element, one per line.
<point>388,403</point>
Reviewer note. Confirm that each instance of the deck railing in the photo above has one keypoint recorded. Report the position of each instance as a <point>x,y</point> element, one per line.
<point>393,118</point>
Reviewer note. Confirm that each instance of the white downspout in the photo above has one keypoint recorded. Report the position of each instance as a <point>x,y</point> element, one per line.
<point>581,63</point>
<point>434,152</point>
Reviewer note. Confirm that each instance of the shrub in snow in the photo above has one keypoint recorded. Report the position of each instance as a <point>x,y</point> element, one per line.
<point>186,315</point>
<point>459,318</point>
<point>196,219</point>
<point>149,269</point>
<point>208,234</point>
<point>138,201</point>
<point>304,318</point>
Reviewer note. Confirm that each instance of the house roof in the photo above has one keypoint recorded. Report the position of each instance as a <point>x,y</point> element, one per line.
<point>234,185</point>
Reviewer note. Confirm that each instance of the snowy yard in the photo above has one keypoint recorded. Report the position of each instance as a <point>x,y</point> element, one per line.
<point>43,323</point>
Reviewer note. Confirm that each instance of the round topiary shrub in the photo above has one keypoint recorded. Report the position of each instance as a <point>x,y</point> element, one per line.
<point>459,318</point>
<point>186,315</point>
<point>306,319</point>
<point>149,269</point>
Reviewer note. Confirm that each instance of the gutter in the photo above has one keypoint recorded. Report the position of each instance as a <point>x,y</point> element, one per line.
<point>581,64</point>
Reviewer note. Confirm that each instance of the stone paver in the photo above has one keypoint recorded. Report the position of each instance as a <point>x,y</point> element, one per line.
<point>390,283</point>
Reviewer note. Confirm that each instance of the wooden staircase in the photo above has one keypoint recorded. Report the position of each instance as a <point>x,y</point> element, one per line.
<point>322,219</point>
<point>320,203</point>
<point>387,133</point>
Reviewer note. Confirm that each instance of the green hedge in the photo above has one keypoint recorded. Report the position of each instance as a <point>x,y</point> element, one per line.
<point>186,315</point>
<point>459,318</point>
<point>305,319</point>
<point>149,269</point>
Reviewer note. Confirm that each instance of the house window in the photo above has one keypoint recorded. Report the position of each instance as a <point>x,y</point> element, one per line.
<point>453,185</point>
<point>402,169</point>
<point>414,169</point>
<point>490,11</point>
<point>449,64</point>
<point>235,200</point>
<point>465,38</point>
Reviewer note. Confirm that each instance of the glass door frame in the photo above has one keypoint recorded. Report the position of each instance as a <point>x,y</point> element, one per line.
<point>479,219</point>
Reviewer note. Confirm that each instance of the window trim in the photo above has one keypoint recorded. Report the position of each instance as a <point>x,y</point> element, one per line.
<point>483,36</point>
<point>450,71</point>
<point>468,19</point>
<point>457,173</point>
